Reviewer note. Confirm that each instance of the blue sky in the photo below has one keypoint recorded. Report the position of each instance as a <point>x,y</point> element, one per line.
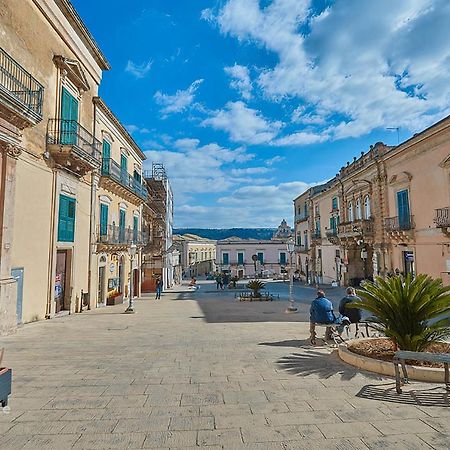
<point>248,103</point>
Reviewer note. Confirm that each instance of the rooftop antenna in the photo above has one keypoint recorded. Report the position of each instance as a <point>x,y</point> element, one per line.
<point>398,132</point>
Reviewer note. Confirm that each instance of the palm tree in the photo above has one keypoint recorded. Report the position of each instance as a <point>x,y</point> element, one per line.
<point>414,313</point>
<point>256,286</point>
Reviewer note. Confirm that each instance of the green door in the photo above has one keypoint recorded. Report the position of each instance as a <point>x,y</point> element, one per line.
<point>66,219</point>
<point>103,220</point>
<point>106,157</point>
<point>69,117</point>
<point>122,226</point>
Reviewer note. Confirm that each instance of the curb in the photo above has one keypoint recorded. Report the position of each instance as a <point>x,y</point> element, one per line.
<point>430,374</point>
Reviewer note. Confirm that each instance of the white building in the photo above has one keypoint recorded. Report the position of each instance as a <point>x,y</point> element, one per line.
<point>197,254</point>
<point>236,256</point>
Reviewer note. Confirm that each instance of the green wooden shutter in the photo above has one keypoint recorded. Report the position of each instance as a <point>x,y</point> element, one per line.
<point>66,219</point>
<point>240,258</point>
<point>283,258</point>
<point>69,117</point>
<point>135,228</point>
<point>261,258</point>
<point>122,225</point>
<point>403,209</point>
<point>225,258</point>
<point>123,168</point>
<point>106,157</point>
<point>103,219</point>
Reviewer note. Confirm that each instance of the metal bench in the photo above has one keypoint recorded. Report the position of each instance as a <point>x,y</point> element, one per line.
<point>337,338</point>
<point>401,357</point>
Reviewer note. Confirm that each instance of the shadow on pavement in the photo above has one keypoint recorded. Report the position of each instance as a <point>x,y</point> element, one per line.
<point>290,343</point>
<point>435,396</point>
<point>321,364</point>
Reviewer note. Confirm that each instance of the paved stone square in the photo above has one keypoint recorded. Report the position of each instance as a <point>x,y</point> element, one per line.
<point>176,375</point>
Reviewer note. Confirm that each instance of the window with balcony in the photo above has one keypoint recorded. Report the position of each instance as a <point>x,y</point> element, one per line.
<point>403,210</point>
<point>69,117</point>
<point>66,219</point>
<point>240,258</point>
<point>367,211</point>
<point>305,239</point>
<point>122,216</point>
<point>299,239</point>
<point>135,228</point>
<point>225,258</point>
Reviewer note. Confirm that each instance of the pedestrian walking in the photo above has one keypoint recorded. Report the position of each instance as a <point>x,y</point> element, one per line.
<point>159,286</point>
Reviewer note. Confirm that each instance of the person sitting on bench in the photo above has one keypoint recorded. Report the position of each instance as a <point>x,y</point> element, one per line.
<point>321,312</point>
<point>353,314</point>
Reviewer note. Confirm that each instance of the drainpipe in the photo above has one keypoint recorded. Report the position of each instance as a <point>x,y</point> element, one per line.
<point>51,258</point>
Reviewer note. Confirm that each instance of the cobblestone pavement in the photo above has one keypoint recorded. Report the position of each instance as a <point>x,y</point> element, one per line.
<point>167,378</point>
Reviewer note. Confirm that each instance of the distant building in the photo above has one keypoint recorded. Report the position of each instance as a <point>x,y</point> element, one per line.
<point>284,231</point>
<point>197,254</point>
<point>234,255</point>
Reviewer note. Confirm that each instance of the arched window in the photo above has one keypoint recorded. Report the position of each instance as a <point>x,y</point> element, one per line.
<point>358,209</point>
<point>350,212</point>
<point>367,212</point>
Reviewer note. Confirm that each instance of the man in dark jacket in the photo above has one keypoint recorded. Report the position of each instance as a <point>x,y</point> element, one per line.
<point>321,311</point>
<point>353,314</point>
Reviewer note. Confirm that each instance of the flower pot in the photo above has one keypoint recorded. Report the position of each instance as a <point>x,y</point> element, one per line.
<point>5,385</point>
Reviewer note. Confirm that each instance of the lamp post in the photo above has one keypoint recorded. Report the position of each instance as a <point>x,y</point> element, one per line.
<point>290,245</point>
<point>132,254</point>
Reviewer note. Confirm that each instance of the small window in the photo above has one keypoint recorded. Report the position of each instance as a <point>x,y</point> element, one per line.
<point>225,258</point>
<point>367,211</point>
<point>350,212</point>
<point>240,258</point>
<point>282,258</point>
<point>358,209</point>
<point>261,257</point>
<point>334,203</point>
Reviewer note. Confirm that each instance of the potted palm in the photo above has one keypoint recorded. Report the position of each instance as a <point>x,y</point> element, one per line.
<point>5,382</point>
<point>413,313</point>
<point>256,286</point>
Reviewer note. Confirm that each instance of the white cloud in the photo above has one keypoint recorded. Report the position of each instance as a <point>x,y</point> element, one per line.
<point>300,138</point>
<point>135,129</point>
<point>243,124</point>
<point>274,160</point>
<point>241,207</point>
<point>364,64</point>
<point>249,171</point>
<point>138,70</point>
<point>178,102</point>
<point>240,80</point>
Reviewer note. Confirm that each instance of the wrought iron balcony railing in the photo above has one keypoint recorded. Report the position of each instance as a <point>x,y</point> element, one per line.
<point>403,223</point>
<point>316,235</point>
<point>301,248</point>
<point>361,227</point>
<point>113,170</point>
<point>442,217</point>
<point>70,133</point>
<point>301,217</point>
<point>332,232</point>
<point>19,83</point>
<point>114,235</point>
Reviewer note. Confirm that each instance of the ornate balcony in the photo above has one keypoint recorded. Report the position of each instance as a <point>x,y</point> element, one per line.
<point>302,248</point>
<point>114,238</point>
<point>400,228</point>
<point>301,217</point>
<point>21,95</point>
<point>442,217</point>
<point>72,146</point>
<point>358,230</point>
<point>332,236</point>
<point>120,182</point>
<point>316,237</point>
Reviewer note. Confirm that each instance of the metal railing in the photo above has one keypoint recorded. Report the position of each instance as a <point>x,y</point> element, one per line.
<point>403,223</point>
<point>301,217</point>
<point>70,132</point>
<point>20,84</point>
<point>301,248</point>
<point>111,169</point>
<point>331,232</point>
<point>114,235</point>
<point>316,235</point>
<point>360,226</point>
<point>442,217</point>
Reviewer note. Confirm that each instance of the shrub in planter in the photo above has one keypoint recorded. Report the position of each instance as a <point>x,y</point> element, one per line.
<point>256,286</point>
<point>414,313</point>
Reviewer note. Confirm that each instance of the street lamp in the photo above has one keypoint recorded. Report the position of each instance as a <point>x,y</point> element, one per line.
<point>290,245</point>
<point>132,254</point>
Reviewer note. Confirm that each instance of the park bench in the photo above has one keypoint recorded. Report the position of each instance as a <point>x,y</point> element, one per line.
<point>401,357</point>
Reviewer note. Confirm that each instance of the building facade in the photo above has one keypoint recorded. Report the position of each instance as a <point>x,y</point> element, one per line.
<point>389,212</point>
<point>198,255</point>
<point>117,215</point>
<point>245,258</point>
<point>51,70</point>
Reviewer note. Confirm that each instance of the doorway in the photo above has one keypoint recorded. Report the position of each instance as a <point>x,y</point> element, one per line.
<point>135,283</point>
<point>121,286</point>
<point>101,299</point>
<point>18,275</point>
<point>62,281</point>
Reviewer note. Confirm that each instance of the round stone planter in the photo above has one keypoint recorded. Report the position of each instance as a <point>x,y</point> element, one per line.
<point>430,374</point>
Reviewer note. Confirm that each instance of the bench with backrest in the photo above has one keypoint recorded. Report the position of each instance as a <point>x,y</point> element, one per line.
<point>400,358</point>
<point>331,330</point>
